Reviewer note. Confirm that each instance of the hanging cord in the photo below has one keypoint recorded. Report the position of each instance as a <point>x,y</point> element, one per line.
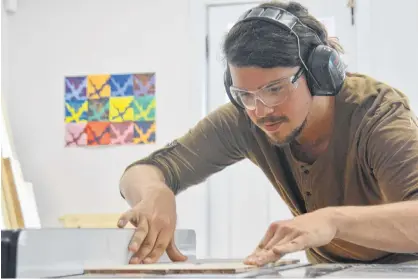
<point>351,4</point>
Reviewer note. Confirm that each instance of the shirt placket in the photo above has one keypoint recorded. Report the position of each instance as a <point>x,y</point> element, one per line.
<point>305,172</point>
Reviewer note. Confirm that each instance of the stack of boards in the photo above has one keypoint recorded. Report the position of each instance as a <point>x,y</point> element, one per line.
<point>182,268</point>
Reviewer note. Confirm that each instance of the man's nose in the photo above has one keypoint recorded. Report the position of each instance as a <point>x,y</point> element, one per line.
<point>261,109</point>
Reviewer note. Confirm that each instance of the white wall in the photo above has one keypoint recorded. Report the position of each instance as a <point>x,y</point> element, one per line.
<point>4,73</point>
<point>49,39</point>
<point>388,40</point>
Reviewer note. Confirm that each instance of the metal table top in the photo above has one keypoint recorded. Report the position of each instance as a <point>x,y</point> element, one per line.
<point>52,253</point>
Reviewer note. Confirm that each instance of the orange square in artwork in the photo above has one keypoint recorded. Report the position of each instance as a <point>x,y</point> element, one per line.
<point>98,86</point>
<point>98,133</point>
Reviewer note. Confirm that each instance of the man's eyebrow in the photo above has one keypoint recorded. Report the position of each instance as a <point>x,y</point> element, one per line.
<point>272,82</point>
<point>265,85</point>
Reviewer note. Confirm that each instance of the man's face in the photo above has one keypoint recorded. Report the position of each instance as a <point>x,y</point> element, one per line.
<point>281,122</point>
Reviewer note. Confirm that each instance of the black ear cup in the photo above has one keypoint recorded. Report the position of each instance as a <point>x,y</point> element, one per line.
<point>327,71</point>
<point>227,84</point>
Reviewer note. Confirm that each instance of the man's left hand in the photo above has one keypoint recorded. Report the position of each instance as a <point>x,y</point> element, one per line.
<point>309,230</point>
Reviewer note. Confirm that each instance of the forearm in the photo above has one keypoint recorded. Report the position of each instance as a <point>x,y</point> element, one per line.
<point>390,227</point>
<point>212,144</point>
<point>139,180</point>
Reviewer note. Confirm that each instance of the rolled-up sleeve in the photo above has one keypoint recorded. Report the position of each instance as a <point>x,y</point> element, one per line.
<point>215,142</point>
<point>393,151</point>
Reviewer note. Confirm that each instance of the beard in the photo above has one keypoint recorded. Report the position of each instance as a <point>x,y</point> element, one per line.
<point>275,140</point>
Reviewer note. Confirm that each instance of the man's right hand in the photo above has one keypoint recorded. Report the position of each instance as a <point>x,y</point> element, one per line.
<point>155,220</point>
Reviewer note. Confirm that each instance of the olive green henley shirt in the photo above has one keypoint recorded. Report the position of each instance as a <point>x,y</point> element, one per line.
<point>372,159</point>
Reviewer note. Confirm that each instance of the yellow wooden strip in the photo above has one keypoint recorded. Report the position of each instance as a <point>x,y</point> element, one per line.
<point>11,198</point>
<point>4,210</point>
<point>86,220</point>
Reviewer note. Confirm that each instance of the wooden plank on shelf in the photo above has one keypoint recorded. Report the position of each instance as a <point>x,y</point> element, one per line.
<point>19,208</point>
<point>181,268</point>
<point>93,220</point>
<point>6,223</point>
<point>13,211</point>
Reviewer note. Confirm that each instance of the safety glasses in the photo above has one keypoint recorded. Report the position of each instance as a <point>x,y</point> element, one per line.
<point>272,94</point>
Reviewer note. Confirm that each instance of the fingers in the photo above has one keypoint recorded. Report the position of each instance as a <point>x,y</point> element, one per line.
<point>280,250</point>
<point>265,240</point>
<point>271,231</point>
<point>164,242</point>
<point>273,235</point>
<point>153,236</point>
<point>261,258</point>
<point>146,245</point>
<point>125,218</point>
<point>160,245</point>
<point>140,233</point>
<point>294,245</point>
<point>280,235</point>
<point>174,253</point>
<point>268,254</point>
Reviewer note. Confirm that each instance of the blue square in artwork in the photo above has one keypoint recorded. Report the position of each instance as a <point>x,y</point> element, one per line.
<point>76,88</point>
<point>121,85</point>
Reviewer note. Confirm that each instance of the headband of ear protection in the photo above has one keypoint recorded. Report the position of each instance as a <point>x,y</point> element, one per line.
<point>324,67</point>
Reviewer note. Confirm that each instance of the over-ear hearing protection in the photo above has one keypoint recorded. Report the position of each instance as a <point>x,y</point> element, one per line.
<point>325,71</point>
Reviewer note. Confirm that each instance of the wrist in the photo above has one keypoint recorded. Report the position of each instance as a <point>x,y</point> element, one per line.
<point>335,219</point>
<point>144,173</point>
<point>157,189</point>
<point>142,181</point>
<point>339,220</point>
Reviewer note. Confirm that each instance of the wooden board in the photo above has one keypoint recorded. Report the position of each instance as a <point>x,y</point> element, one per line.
<point>92,220</point>
<point>11,208</point>
<point>176,268</point>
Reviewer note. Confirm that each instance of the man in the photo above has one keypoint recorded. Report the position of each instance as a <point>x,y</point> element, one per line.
<point>344,159</point>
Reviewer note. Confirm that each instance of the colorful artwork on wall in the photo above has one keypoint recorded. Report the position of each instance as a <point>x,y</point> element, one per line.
<point>110,109</point>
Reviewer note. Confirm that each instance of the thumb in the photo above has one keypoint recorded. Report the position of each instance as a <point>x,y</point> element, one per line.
<point>174,253</point>
<point>124,219</point>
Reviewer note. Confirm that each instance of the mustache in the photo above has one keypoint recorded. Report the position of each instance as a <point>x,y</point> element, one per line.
<point>272,119</point>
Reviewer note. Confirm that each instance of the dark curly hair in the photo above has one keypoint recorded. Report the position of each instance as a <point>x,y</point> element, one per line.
<point>266,45</point>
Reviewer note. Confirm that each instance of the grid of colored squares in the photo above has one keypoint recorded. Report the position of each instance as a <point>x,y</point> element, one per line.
<point>110,109</point>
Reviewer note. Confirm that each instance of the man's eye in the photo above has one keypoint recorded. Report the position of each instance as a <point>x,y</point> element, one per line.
<point>246,95</point>
<point>275,89</point>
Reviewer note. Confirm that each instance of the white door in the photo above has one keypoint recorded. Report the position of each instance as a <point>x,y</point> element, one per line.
<point>242,202</point>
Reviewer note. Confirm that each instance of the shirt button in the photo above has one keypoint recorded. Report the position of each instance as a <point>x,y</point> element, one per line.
<point>306,171</point>
<point>308,194</point>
